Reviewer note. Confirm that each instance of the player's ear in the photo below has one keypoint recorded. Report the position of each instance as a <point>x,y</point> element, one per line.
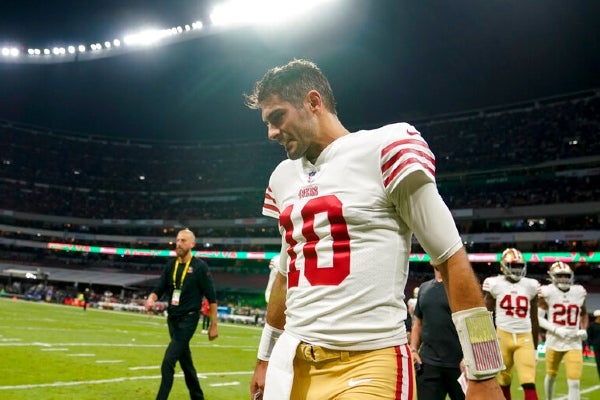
<point>313,98</point>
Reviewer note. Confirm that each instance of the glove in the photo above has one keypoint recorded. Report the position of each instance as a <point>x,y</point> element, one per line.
<point>582,334</point>
<point>562,332</point>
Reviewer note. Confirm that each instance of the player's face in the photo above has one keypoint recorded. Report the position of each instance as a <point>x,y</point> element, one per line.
<point>293,128</point>
<point>184,244</point>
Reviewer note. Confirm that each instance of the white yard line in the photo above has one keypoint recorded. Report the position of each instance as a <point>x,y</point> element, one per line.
<point>106,381</point>
<point>583,391</point>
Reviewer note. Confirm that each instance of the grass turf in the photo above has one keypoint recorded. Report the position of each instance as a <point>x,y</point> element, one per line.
<point>51,351</point>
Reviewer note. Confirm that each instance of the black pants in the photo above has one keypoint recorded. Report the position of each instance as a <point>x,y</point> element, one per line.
<point>434,383</point>
<point>181,330</point>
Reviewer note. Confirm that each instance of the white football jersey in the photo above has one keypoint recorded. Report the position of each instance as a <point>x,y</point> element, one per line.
<point>564,310</point>
<point>513,302</point>
<point>345,247</point>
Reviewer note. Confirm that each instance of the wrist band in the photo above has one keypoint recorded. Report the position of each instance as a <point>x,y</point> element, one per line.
<point>479,342</point>
<point>267,341</point>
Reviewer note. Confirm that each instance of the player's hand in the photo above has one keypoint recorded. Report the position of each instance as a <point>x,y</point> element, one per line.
<point>257,383</point>
<point>416,357</point>
<point>484,390</point>
<point>213,332</point>
<point>149,304</point>
<point>562,332</point>
<point>582,334</point>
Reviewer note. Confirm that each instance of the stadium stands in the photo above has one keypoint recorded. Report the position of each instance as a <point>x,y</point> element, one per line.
<point>525,175</point>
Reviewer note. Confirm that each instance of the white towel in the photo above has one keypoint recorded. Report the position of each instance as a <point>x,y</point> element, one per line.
<point>280,372</point>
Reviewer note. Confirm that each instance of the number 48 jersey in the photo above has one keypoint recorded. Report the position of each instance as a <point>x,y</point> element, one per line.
<point>345,248</point>
<point>513,302</point>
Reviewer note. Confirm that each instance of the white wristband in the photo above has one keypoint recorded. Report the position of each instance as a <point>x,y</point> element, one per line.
<point>479,342</point>
<point>267,341</point>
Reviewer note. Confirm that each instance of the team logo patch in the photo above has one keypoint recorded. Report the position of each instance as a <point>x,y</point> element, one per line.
<point>308,191</point>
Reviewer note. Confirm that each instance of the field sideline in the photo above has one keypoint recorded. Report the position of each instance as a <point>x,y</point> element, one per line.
<point>52,351</point>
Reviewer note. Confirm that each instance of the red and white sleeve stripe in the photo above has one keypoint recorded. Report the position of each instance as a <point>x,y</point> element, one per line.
<point>404,156</point>
<point>270,208</point>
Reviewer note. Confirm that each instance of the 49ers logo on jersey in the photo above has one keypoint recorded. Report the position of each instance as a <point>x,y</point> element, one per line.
<point>308,191</point>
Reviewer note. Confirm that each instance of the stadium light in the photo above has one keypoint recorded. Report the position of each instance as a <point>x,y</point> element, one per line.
<point>229,14</point>
<point>146,37</point>
<point>261,12</point>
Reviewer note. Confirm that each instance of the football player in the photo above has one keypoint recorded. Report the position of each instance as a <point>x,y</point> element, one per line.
<point>514,300</point>
<point>348,205</point>
<point>564,316</point>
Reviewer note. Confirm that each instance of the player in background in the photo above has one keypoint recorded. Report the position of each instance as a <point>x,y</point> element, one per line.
<point>410,305</point>
<point>274,270</point>
<point>514,300</point>
<point>348,205</point>
<point>563,315</point>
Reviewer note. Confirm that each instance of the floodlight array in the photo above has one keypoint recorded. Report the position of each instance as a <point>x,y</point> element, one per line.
<point>129,42</point>
<point>228,14</point>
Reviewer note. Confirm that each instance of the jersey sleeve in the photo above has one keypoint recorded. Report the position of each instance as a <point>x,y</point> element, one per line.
<point>405,152</point>
<point>487,285</point>
<point>534,288</point>
<point>270,208</point>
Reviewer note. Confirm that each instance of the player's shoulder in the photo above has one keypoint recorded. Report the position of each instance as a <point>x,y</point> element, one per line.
<point>545,290</point>
<point>492,280</point>
<point>426,285</point>
<point>530,282</point>
<point>282,172</point>
<point>578,290</point>
<point>388,133</point>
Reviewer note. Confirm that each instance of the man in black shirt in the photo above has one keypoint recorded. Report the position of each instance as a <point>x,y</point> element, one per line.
<point>593,332</point>
<point>184,281</point>
<point>435,345</point>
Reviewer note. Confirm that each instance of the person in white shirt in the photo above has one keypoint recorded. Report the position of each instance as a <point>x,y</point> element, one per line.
<point>348,205</point>
<point>513,299</point>
<point>563,314</point>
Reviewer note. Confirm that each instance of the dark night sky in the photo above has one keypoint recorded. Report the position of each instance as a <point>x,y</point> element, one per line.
<point>388,60</point>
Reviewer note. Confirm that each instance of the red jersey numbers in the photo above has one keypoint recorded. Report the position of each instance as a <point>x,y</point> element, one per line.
<point>336,231</point>
<point>515,306</point>
<point>566,314</point>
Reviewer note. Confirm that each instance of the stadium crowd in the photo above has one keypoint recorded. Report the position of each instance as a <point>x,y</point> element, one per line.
<point>90,190</point>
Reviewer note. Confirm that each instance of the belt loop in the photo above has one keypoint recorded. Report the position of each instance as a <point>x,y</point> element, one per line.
<point>344,356</point>
<point>306,350</point>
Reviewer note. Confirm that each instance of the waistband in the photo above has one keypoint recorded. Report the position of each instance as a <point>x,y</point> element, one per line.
<point>183,315</point>
<point>316,354</point>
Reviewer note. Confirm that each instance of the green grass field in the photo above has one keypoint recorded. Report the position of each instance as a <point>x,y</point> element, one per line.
<point>51,351</point>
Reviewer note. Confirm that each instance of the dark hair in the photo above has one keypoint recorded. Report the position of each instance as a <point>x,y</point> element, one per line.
<point>291,82</point>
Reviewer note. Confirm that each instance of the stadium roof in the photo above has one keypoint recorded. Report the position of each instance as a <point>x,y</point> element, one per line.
<point>388,60</point>
<point>80,276</point>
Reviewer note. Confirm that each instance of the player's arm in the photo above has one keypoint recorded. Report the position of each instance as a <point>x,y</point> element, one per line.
<point>535,325</point>
<point>490,302</point>
<point>546,324</point>
<point>213,331</point>
<point>542,311</point>
<point>585,320</point>
<point>275,322</point>
<point>157,291</point>
<point>415,339</point>
<point>420,206</point>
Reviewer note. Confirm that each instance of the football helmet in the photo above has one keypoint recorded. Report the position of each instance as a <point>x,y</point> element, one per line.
<point>561,275</point>
<point>512,264</point>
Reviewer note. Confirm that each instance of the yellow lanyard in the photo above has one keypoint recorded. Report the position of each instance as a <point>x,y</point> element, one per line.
<point>187,265</point>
